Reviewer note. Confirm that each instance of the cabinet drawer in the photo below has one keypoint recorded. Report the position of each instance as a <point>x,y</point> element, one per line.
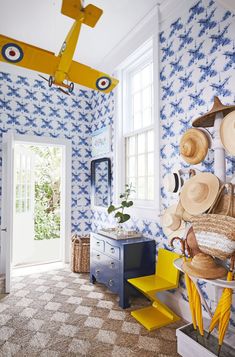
<point>97,244</point>
<point>112,250</point>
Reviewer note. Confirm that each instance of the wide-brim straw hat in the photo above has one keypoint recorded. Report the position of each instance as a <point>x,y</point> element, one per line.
<point>173,182</point>
<point>172,223</point>
<point>199,193</point>
<point>204,266</point>
<point>227,133</point>
<point>194,146</point>
<point>207,120</point>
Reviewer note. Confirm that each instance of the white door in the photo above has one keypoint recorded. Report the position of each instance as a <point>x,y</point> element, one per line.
<point>7,207</point>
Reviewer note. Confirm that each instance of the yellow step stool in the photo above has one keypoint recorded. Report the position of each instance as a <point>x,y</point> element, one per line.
<point>166,278</point>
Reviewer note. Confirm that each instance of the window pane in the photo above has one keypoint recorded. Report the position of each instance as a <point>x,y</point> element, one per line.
<point>136,102</point>
<point>150,188</point>
<point>137,120</point>
<point>136,82</point>
<point>141,188</point>
<point>150,141</point>
<point>141,165</point>
<point>131,145</point>
<point>141,143</point>
<point>131,168</point>
<point>147,75</point>
<point>150,164</point>
<point>147,97</point>
<point>147,116</point>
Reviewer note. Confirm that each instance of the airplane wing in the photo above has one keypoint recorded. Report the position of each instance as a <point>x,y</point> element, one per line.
<point>89,77</point>
<point>27,56</point>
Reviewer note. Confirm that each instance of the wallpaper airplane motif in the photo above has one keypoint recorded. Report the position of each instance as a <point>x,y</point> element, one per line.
<point>62,70</point>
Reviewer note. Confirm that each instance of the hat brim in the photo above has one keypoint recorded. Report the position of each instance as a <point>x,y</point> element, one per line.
<point>207,120</point>
<point>169,232</point>
<point>227,132</point>
<point>212,273</point>
<point>195,208</point>
<point>201,146</point>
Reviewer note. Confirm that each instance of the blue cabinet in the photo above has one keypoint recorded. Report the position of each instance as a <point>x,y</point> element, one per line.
<point>112,262</point>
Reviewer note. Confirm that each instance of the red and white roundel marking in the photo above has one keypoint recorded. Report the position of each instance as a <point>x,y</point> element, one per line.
<point>12,52</point>
<point>103,83</point>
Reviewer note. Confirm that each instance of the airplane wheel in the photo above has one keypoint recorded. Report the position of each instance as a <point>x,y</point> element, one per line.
<point>50,81</point>
<point>71,87</point>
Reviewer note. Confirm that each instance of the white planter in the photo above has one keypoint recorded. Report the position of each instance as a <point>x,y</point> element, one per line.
<point>187,346</point>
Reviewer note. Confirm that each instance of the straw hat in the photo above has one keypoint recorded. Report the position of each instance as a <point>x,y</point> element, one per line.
<point>194,146</point>
<point>173,182</point>
<point>204,266</point>
<point>227,133</point>
<point>199,193</point>
<point>172,223</point>
<point>207,120</point>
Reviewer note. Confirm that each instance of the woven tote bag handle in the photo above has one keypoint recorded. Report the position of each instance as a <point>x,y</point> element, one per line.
<point>229,187</point>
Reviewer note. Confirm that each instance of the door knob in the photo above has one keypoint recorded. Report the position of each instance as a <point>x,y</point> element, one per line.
<point>4,230</point>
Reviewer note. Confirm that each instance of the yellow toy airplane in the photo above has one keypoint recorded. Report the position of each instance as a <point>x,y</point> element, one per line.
<point>62,70</point>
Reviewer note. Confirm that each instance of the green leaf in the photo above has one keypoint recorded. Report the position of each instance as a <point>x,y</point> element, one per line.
<point>111,208</point>
<point>122,195</point>
<point>124,203</point>
<point>118,215</point>
<point>129,203</point>
<point>124,218</point>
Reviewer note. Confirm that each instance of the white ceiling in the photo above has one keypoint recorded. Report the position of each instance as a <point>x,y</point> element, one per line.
<point>40,23</point>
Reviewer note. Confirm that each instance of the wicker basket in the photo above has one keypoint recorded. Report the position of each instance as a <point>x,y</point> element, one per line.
<point>215,233</point>
<point>80,260</point>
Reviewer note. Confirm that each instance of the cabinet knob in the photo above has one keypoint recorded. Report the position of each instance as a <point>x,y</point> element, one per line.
<point>112,264</point>
<point>98,243</point>
<point>97,272</point>
<point>111,282</point>
<point>112,250</point>
<point>98,256</point>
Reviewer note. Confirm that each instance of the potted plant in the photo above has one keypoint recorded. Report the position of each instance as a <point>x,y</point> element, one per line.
<point>120,214</point>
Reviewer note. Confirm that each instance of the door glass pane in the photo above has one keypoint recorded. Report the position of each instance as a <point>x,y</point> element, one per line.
<point>147,116</point>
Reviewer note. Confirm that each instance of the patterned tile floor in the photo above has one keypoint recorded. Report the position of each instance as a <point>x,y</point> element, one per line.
<point>59,313</point>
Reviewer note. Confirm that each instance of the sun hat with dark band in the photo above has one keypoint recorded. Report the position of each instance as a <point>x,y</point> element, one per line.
<point>194,146</point>
<point>199,193</point>
<point>207,120</point>
<point>227,133</point>
<point>173,182</point>
<point>204,266</point>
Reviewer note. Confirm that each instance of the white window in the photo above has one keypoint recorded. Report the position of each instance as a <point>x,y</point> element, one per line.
<point>138,127</point>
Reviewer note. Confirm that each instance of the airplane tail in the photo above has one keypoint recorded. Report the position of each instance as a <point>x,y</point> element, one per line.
<point>73,9</point>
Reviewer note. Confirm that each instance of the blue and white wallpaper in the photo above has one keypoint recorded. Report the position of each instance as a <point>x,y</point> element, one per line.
<point>197,62</point>
<point>29,107</point>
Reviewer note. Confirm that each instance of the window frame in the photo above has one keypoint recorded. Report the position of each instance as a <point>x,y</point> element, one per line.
<point>142,208</point>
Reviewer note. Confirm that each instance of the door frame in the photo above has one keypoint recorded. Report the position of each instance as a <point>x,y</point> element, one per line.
<point>65,187</point>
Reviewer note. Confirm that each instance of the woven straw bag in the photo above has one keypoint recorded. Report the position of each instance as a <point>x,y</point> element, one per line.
<point>215,233</point>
